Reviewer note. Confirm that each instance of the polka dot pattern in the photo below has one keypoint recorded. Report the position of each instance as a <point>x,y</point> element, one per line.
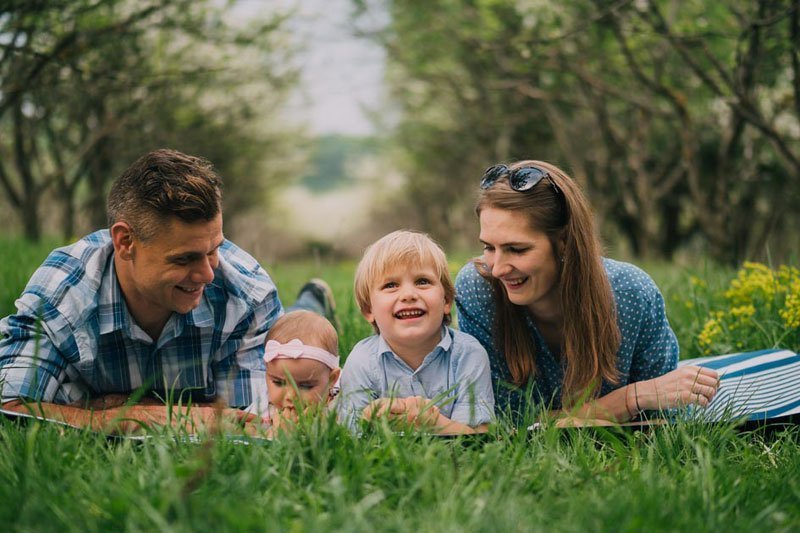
<point>648,348</point>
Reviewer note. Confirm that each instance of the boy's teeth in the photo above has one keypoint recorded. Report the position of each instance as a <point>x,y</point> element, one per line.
<point>407,314</point>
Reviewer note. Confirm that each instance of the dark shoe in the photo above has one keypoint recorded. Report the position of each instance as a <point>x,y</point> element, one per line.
<point>320,293</point>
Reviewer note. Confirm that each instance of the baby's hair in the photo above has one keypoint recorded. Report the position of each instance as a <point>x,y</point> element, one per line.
<point>311,328</point>
<point>405,249</point>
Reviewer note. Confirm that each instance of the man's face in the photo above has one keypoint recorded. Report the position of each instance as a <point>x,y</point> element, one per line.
<point>168,273</point>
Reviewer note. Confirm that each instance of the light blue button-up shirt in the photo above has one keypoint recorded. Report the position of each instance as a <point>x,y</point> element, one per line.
<point>455,375</point>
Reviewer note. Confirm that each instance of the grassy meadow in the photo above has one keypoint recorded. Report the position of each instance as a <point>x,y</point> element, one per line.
<point>682,477</point>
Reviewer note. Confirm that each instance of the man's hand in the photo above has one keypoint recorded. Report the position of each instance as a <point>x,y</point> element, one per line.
<point>132,419</point>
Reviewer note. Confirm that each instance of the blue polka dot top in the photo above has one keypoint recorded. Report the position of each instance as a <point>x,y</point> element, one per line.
<point>648,346</point>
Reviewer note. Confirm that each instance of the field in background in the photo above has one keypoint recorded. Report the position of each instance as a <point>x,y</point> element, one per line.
<point>685,477</point>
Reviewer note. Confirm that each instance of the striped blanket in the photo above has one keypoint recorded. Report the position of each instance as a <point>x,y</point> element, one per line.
<point>758,386</point>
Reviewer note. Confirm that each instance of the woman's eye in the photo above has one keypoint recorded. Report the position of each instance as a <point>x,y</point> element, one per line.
<point>515,250</point>
<point>487,248</point>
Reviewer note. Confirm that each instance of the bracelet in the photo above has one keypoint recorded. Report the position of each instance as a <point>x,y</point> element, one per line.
<point>636,396</point>
<point>632,415</point>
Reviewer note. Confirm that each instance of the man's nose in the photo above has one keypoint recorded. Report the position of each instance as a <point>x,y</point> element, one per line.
<point>204,272</point>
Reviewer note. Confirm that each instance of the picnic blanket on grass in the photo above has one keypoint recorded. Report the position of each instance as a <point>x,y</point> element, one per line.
<point>755,386</point>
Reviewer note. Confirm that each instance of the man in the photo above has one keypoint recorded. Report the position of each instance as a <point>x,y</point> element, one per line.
<point>159,308</point>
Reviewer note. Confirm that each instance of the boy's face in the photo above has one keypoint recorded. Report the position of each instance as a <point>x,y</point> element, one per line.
<point>312,380</point>
<point>408,305</point>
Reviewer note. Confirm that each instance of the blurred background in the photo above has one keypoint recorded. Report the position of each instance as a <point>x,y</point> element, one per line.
<point>333,122</point>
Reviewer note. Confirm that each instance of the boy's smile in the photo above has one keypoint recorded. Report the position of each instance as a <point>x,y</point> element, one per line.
<point>407,304</point>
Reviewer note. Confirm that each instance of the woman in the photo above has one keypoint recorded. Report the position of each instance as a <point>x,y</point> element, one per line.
<point>566,328</point>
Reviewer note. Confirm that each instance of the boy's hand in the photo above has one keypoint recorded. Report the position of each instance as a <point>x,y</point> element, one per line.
<point>414,410</point>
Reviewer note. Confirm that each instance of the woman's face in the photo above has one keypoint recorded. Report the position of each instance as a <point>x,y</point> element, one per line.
<point>522,259</point>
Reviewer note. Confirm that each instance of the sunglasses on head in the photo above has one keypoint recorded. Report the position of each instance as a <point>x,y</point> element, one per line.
<point>520,179</point>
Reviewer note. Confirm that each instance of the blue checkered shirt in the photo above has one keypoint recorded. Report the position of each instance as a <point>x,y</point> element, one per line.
<point>73,338</point>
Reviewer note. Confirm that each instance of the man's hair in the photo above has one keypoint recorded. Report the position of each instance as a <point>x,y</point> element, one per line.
<point>400,249</point>
<point>311,328</point>
<point>164,184</point>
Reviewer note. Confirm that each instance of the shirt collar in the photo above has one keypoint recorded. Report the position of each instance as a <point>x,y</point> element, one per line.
<point>444,345</point>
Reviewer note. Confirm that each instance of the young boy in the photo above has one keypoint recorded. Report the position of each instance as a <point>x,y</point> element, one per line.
<point>415,368</point>
<point>302,365</point>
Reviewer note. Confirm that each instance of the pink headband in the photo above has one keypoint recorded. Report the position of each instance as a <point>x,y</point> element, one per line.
<point>295,349</point>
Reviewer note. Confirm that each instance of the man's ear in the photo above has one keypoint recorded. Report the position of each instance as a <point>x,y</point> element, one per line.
<point>122,238</point>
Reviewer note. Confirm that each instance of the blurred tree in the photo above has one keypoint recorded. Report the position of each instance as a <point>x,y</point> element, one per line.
<point>86,86</point>
<point>678,118</point>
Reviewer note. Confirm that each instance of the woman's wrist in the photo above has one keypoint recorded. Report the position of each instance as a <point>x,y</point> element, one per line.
<point>631,401</point>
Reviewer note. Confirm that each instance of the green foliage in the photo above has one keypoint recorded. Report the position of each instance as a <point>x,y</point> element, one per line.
<point>679,122</point>
<point>86,87</point>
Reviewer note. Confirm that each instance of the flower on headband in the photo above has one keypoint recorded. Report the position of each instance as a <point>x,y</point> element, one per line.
<point>295,349</point>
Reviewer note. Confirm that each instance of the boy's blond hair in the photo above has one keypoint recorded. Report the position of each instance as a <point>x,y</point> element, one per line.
<point>311,328</point>
<point>401,248</point>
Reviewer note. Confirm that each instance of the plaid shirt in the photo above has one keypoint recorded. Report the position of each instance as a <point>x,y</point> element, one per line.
<point>73,338</point>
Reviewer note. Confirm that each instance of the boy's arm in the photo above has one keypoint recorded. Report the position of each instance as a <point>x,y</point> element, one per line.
<point>356,388</point>
<point>474,399</point>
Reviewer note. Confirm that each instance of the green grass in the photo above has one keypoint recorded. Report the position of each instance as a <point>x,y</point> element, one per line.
<point>683,477</point>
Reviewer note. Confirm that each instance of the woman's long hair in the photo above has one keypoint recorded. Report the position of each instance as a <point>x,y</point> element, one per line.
<point>591,336</point>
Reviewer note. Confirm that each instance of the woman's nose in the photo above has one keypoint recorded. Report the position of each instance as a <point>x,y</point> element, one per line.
<point>499,267</point>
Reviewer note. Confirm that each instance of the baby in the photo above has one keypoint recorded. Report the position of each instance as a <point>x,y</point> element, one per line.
<point>302,365</point>
<point>416,368</point>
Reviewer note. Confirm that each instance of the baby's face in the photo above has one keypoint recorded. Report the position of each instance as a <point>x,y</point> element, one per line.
<point>312,380</point>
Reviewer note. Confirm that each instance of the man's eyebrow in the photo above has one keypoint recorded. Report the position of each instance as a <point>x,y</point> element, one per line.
<point>192,254</point>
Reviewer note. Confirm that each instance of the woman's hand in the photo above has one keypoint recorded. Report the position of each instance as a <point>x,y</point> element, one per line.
<point>683,386</point>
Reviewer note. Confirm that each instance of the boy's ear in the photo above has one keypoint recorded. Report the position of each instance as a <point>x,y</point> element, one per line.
<point>367,314</point>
